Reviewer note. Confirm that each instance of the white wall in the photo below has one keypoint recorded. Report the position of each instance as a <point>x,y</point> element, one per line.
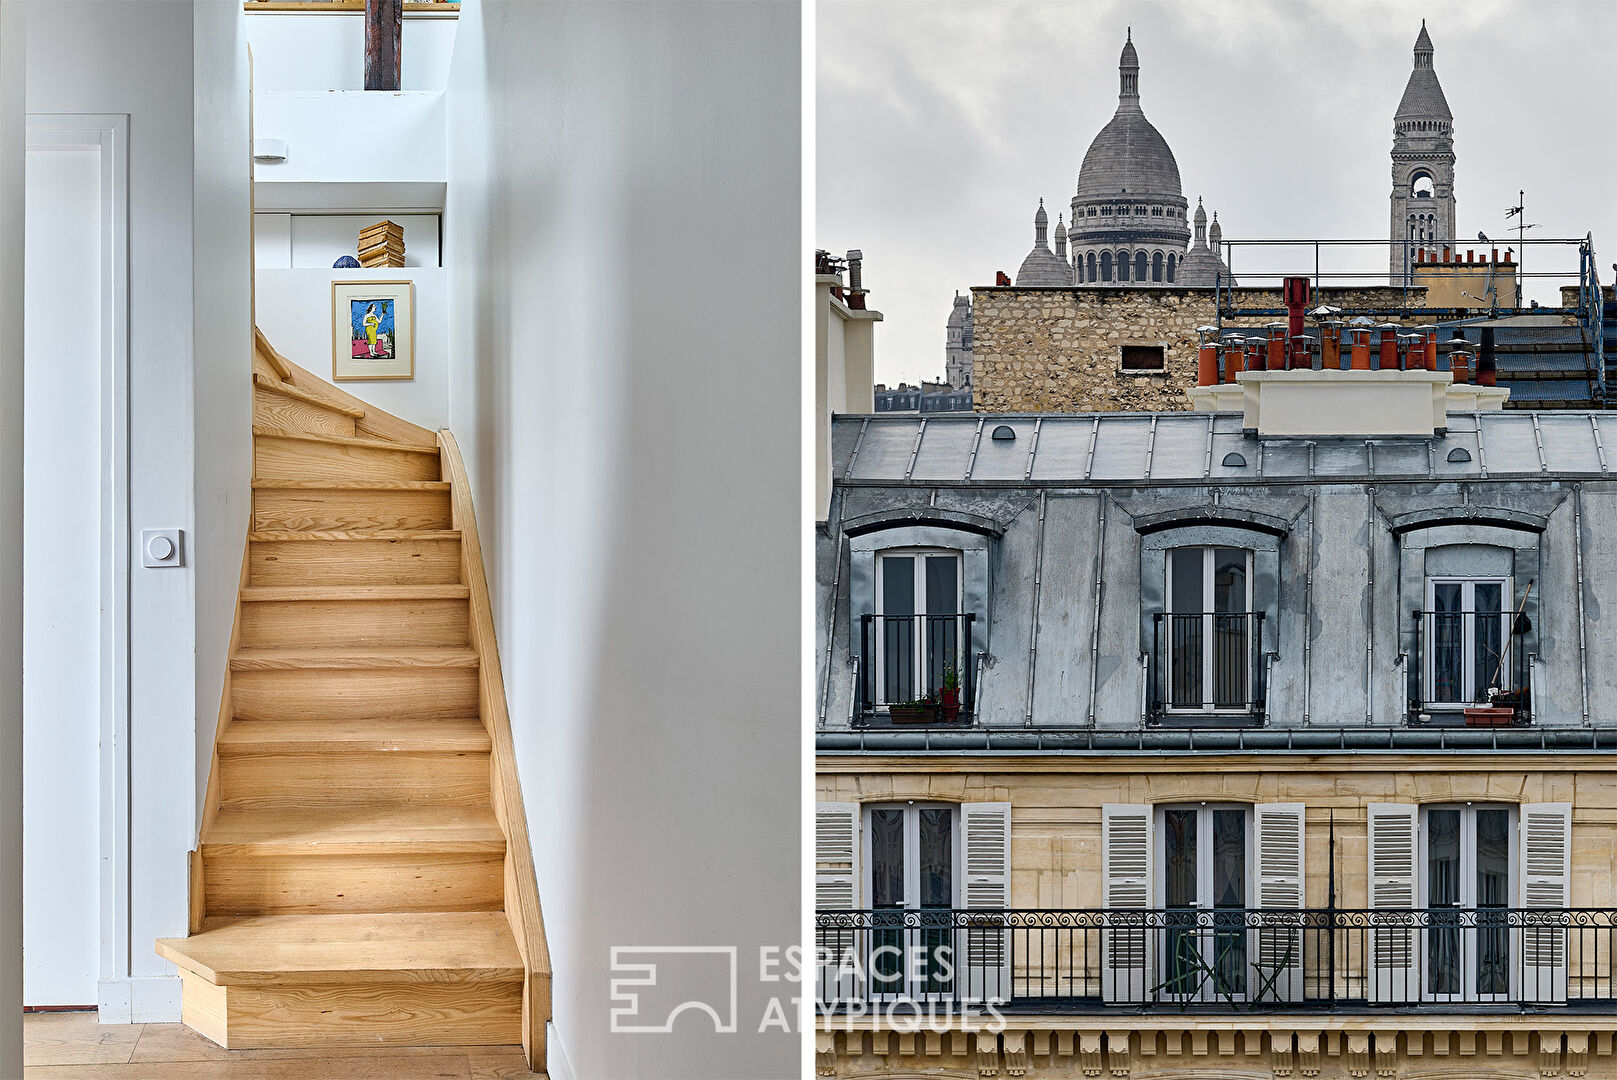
<point>294,311</point>
<point>326,51</point>
<point>222,263</point>
<point>13,34</point>
<point>188,384</point>
<point>61,596</point>
<point>353,136</point>
<point>622,227</point>
<point>310,241</point>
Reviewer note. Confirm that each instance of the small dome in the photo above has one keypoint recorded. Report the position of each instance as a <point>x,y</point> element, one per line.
<point>1041,219</point>
<point>1215,232</point>
<point>1201,215</point>
<point>1130,58</point>
<point>1061,229</point>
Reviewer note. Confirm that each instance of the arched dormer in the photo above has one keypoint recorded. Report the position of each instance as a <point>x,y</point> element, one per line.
<point>1464,574</point>
<point>1209,610</point>
<point>918,588</point>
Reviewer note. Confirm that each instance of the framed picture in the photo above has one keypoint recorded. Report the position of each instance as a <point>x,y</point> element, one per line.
<point>372,330</point>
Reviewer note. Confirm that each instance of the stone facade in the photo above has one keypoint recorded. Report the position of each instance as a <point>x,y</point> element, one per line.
<point>1059,350</point>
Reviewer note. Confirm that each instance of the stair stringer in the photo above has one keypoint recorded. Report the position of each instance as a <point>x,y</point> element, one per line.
<point>521,886</point>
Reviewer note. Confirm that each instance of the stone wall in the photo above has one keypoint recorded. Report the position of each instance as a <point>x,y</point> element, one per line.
<point>1059,349</point>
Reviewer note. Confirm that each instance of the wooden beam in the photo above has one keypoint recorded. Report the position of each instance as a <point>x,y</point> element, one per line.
<point>384,22</point>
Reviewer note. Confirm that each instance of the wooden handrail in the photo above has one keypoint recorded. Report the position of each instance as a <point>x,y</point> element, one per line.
<point>521,887</point>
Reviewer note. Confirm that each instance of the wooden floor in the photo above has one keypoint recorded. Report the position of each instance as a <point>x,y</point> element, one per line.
<point>74,1046</point>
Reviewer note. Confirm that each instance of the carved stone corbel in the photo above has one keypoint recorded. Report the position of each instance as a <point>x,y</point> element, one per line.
<point>987,1054</point>
<point>1280,1053</point>
<point>1308,1053</point>
<point>1386,1045</point>
<point>825,1053</point>
<point>1015,1053</point>
<point>1358,1054</point>
<point>1089,1052</point>
<point>1549,1053</point>
<point>1117,1052</point>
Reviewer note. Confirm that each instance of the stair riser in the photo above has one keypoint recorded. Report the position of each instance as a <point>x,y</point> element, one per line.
<point>461,1013</point>
<point>263,779</point>
<point>354,562</point>
<point>297,459</point>
<point>348,510</point>
<point>429,693</point>
<point>271,409</point>
<point>356,623</point>
<point>410,880</point>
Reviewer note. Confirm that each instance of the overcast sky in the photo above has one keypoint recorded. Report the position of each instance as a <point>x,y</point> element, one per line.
<point>940,125</point>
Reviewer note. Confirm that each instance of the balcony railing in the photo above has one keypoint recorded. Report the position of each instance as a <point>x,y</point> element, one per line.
<point>1459,657</point>
<point>1222,958</point>
<point>907,661</point>
<point>1206,664</point>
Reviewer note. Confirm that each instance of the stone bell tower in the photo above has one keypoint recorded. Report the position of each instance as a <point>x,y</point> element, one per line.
<point>1422,167</point>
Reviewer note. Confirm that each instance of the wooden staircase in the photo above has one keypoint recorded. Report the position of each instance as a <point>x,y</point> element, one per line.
<point>363,874</point>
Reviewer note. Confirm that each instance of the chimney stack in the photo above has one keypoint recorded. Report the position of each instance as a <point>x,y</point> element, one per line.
<point>1487,369</point>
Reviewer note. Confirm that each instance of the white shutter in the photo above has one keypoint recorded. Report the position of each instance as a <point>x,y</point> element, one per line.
<point>985,830</point>
<point>1125,839</point>
<point>1546,882</point>
<point>836,888</point>
<point>1395,953</point>
<point>1279,948</point>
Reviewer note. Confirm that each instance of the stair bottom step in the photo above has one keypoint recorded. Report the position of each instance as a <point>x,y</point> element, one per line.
<point>461,1013</point>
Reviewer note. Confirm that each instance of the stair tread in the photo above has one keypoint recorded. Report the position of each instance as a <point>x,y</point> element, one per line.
<point>342,440</point>
<point>350,485</point>
<point>337,827</point>
<point>275,593</point>
<point>335,736</point>
<point>298,392</point>
<point>261,658</point>
<point>288,949</point>
<point>274,535</point>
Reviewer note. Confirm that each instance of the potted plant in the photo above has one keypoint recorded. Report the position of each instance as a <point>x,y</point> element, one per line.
<point>950,694</point>
<point>920,711</point>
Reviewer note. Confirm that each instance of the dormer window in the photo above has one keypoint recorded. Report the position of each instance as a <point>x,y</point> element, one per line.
<point>1208,634</point>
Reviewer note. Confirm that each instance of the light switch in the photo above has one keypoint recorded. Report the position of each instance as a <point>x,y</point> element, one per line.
<point>161,547</point>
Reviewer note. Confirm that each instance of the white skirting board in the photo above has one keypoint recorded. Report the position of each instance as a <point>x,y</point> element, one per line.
<point>151,999</point>
<point>556,1064</point>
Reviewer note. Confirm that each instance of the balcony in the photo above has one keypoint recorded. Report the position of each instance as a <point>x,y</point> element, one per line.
<point>1207,666</point>
<point>1486,959</point>
<point>1468,668</point>
<point>917,669</point>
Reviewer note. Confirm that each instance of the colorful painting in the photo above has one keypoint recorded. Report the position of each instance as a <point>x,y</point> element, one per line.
<point>372,329</point>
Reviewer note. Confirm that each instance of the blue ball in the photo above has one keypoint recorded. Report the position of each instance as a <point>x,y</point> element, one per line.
<point>347,262</point>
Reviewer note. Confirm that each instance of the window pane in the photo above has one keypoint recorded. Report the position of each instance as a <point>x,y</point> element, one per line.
<point>937,858</point>
<point>1493,894</point>
<point>1489,667</point>
<point>1443,895</point>
<point>1229,579</point>
<point>898,585</point>
<point>1229,858</point>
<point>942,580</point>
<point>1179,856</point>
<point>1445,629</point>
<point>1185,567</point>
<point>887,857</point>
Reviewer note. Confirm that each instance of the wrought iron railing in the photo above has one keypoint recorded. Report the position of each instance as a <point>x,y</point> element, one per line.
<point>1222,958</point>
<point>917,668</point>
<point>1460,656</point>
<point>1206,663</point>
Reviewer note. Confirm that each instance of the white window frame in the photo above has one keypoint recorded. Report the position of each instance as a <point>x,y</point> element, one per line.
<point>1208,673</point>
<point>1468,643</point>
<point>1204,881</point>
<point>918,637</point>
<point>1468,883</point>
<point>912,873</point>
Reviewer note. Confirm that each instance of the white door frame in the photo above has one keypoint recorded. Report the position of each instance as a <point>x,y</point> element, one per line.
<point>108,134</point>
